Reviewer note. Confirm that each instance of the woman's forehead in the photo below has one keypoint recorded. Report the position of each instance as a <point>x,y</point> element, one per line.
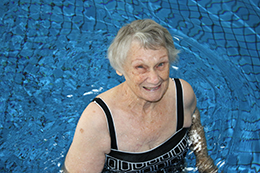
<point>137,49</point>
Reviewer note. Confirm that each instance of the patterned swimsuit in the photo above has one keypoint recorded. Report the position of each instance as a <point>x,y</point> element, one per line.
<point>167,157</point>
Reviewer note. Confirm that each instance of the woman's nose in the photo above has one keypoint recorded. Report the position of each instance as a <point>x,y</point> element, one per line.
<point>153,77</point>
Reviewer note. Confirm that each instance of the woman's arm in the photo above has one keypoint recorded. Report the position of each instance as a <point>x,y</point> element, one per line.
<point>197,137</point>
<point>90,144</point>
<point>204,162</point>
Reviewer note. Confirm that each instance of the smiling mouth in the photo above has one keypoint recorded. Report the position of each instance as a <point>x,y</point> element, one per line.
<point>152,88</point>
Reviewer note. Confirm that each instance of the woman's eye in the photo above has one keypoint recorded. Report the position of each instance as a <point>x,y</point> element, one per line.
<point>141,68</point>
<point>161,64</point>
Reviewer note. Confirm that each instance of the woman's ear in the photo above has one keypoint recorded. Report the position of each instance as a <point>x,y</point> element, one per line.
<point>119,73</point>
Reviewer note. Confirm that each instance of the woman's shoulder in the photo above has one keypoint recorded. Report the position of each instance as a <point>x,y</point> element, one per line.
<point>94,111</point>
<point>189,97</point>
<point>187,88</point>
<point>94,116</point>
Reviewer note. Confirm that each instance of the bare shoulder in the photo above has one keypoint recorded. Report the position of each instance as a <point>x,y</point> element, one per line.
<point>90,143</point>
<point>190,101</point>
<point>93,123</point>
<point>188,94</point>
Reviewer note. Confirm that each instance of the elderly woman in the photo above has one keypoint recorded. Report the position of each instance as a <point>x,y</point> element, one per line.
<point>143,124</point>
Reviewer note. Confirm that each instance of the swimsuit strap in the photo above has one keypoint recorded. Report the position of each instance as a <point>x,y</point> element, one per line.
<point>110,122</point>
<point>180,112</point>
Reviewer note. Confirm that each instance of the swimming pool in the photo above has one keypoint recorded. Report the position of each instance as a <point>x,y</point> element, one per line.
<point>53,63</point>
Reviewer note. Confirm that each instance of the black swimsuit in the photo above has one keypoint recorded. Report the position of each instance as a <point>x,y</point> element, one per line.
<point>167,157</point>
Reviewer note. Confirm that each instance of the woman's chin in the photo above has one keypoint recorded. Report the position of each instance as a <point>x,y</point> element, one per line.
<point>154,94</point>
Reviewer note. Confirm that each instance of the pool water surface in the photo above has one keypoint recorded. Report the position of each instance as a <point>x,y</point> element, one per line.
<point>53,63</point>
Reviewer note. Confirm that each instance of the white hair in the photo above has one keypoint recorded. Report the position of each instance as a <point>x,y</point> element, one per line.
<point>148,33</point>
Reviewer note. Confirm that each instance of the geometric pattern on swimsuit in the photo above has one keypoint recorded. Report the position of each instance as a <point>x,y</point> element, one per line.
<point>172,161</point>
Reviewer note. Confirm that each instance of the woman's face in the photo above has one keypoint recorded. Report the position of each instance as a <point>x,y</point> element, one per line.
<point>147,72</point>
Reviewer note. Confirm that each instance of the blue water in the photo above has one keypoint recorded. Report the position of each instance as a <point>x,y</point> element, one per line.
<point>52,63</point>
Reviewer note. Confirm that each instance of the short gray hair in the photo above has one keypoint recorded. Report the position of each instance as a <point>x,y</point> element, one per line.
<point>148,33</point>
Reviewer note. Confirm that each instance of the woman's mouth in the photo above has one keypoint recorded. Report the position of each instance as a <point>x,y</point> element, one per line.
<point>152,88</point>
